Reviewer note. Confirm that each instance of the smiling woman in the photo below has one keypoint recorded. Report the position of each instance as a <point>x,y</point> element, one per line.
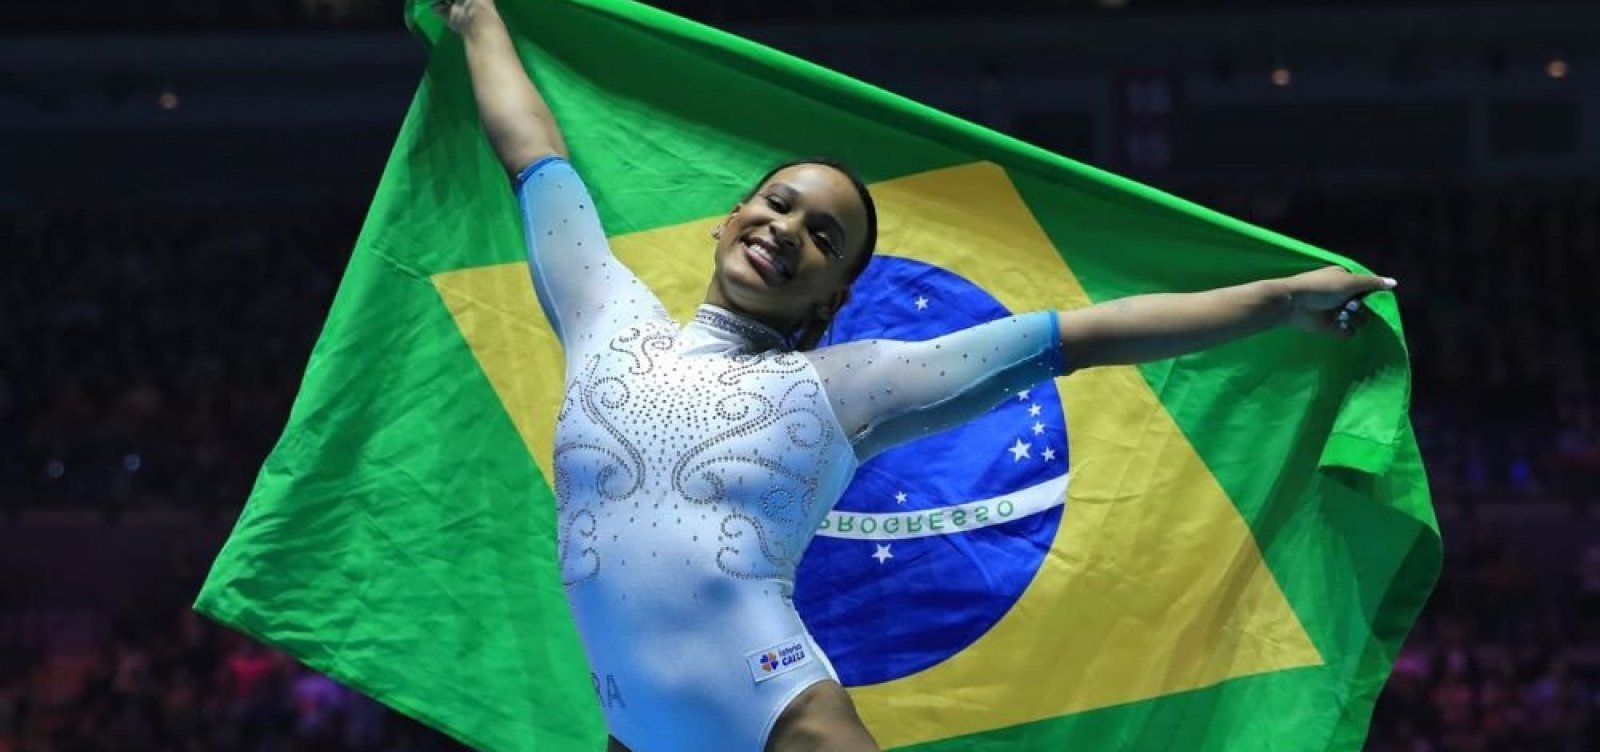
<point>689,536</point>
<point>693,464</point>
<point>798,211</point>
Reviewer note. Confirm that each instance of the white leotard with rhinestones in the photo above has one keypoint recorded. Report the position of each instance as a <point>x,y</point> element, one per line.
<point>693,464</point>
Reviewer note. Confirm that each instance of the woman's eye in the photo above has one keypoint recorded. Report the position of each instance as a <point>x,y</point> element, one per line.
<point>775,202</point>
<point>827,245</point>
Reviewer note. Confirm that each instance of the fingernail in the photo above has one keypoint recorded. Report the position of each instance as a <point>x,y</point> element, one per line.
<point>1390,282</point>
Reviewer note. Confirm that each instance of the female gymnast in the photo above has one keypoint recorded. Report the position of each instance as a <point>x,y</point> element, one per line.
<point>693,463</point>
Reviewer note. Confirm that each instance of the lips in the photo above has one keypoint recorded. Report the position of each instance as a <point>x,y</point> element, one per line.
<point>764,257</point>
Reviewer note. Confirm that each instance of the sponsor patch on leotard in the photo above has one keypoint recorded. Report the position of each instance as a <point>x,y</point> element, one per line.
<point>779,659</point>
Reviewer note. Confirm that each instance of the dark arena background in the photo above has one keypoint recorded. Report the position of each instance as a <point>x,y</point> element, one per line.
<point>181,182</point>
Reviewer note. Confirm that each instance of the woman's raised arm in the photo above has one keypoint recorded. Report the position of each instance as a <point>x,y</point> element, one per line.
<point>514,115</point>
<point>1143,328</point>
<point>586,294</point>
<point>885,393</point>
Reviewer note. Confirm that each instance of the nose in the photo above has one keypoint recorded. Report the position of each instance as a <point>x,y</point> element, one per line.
<point>784,232</point>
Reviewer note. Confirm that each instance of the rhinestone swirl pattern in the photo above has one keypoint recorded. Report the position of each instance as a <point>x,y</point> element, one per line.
<point>706,451</point>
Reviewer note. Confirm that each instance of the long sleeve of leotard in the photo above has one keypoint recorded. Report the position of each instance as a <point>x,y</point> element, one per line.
<point>585,292</point>
<point>886,392</point>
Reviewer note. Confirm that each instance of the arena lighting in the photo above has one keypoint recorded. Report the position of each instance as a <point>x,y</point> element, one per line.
<point>167,100</point>
<point>1281,76</point>
<point>1556,68</point>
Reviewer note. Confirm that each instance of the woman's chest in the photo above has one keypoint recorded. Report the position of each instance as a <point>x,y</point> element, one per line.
<point>647,415</point>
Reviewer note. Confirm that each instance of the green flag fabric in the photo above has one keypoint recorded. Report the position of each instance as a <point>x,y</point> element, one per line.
<point>1222,551</point>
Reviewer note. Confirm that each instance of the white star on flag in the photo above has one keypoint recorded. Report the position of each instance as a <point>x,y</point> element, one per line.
<point>1023,395</point>
<point>1019,450</point>
<point>921,302</point>
<point>882,554</point>
<point>1049,454</point>
<point>1033,411</point>
<point>900,498</point>
<point>1038,428</point>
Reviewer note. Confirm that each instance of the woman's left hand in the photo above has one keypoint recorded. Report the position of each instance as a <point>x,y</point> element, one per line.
<point>1329,299</point>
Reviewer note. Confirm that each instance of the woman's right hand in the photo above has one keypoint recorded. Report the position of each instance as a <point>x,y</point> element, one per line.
<point>515,117</point>
<point>464,15</point>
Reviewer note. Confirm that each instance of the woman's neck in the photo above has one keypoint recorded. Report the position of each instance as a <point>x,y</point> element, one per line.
<point>715,296</point>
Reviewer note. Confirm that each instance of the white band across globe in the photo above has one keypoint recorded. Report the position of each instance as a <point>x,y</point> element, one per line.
<point>957,518</point>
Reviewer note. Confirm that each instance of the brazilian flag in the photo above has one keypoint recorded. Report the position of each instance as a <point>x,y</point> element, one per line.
<point>1222,551</point>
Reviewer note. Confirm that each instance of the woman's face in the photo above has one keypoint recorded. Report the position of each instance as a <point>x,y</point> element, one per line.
<point>786,253</point>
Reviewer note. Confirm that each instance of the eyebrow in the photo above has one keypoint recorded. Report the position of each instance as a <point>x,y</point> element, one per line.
<point>833,222</point>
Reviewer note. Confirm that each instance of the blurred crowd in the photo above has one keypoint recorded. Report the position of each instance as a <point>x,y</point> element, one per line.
<point>150,357</point>
<point>158,677</point>
<point>1504,659</point>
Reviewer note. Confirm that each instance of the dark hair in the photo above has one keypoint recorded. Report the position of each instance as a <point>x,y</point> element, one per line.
<point>811,332</point>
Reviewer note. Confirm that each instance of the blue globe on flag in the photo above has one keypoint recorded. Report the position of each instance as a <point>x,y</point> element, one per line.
<point>934,540</point>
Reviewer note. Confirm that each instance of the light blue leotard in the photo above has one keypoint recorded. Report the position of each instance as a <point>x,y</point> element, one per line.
<point>694,463</point>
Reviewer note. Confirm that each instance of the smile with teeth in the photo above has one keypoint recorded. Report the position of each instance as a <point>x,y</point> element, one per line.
<point>764,255</point>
